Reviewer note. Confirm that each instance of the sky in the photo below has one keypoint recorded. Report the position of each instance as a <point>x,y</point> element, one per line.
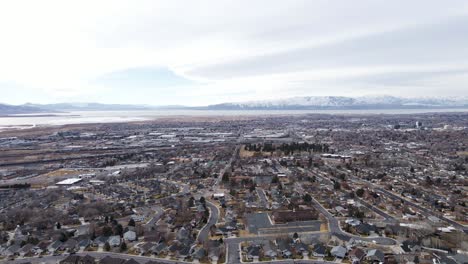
<point>205,52</point>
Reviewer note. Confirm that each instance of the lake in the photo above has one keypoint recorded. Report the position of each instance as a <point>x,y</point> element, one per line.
<point>27,121</point>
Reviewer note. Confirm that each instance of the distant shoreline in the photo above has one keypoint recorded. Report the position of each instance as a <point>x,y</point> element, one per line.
<point>35,115</point>
<point>30,121</point>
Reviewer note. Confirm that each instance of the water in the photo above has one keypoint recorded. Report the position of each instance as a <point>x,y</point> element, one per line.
<point>28,121</point>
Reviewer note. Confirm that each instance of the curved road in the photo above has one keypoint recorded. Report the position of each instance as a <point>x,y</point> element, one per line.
<point>203,235</point>
<point>335,228</point>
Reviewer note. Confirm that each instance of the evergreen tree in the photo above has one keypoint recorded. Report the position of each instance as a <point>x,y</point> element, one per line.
<point>123,247</point>
<point>107,246</point>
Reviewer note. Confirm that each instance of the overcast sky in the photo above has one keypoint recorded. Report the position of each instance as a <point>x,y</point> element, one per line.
<point>204,52</point>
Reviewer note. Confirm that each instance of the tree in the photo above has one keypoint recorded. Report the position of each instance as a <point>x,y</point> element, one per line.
<point>336,186</point>
<point>58,225</point>
<point>131,222</point>
<point>191,202</point>
<point>107,231</point>
<point>123,247</point>
<point>107,246</point>
<point>225,177</point>
<point>63,236</point>
<point>428,180</point>
<point>307,198</point>
<point>360,192</point>
<point>119,230</point>
<point>202,200</point>
<point>275,179</point>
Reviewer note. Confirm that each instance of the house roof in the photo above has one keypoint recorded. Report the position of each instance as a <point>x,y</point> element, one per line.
<point>357,252</point>
<point>70,243</point>
<point>200,253</point>
<point>111,260</point>
<point>26,248</point>
<point>253,250</point>
<point>84,243</point>
<point>159,247</point>
<point>320,249</point>
<point>375,254</point>
<point>87,259</point>
<point>14,249</point>
<point>338,251</point>
<point>101,239</point>
<point>131,261</point>
<point>72,259</point>
<point>56,244</point>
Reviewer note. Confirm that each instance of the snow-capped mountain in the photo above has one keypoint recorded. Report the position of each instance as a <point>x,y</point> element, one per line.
<point>341,102</point>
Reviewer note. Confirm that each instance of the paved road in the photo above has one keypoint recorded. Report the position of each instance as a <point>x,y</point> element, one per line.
<point>203,235</point>
<point>425,211</point>
<point>335,228</point>
<point>151,223</point>
<point>376,210</point>
<point>97,255</point>
<point>232,251</point>
<point>234,254</point>
<point>262,197</point>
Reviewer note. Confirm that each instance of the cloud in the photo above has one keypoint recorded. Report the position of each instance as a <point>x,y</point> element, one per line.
<point>230,50</point>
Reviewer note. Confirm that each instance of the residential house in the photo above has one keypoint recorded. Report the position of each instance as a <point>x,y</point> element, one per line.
<point>70,245</point>
<point>270,250</point>
<point>114,241</point>
<point>26,250</point>
<point>84,244</point>
<point>160,248</point>
<point>356,255</point>
<point>338,252</point>
<point>74,259</point>
<point>375,255</point>
<point>144,248</point>
<point>41,247</point>
<point>130,236</point>
<point>319,250</point>
<point>284,247</point>
<point>111,260</point>
<point>410,246</point>
<point>54,246</point>
<point>199,254</point>
<point>12,250</point>
<point>365,229</point>
<point>214,253</point>
<point>131,261</point>
<point>100,241</point>
<point>253,252</point>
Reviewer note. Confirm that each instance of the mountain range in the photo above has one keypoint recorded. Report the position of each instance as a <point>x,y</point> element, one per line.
<point>341,102</point>
<point>294,103</point>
